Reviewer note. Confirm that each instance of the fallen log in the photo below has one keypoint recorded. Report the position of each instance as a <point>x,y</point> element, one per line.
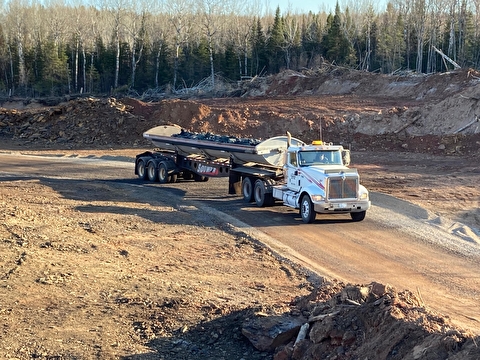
<point>321,317</point>
<point>408,124</point>
<point>302,334</point>
<point>466,126</point>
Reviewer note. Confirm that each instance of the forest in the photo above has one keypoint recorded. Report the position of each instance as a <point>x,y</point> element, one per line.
<point>55,48</point>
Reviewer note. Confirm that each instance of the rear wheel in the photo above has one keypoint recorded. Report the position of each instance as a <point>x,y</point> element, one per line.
<point>262,198</point>
<point>152,171</point>
<point>200,178</point>
<point>306,210</point>
<point>141,169</point>
<point>162,173</point>
<point>187,175</point>
<point>247,189</point>
<point>173,178</point>
<point>358,216</point>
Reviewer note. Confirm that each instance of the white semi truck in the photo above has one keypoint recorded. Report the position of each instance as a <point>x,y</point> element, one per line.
<point>313,178</point>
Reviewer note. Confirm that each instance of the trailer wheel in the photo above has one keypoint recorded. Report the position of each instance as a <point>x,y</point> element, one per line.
<point>306,210</point>
<point>200,178</point>
<point>162,173</point>
<point>358,216</point>
<point>187,175</point>
<point>172,178</point>
<point>152,173</point>
<point>141,169</point>
<point>247,189</point>
<point>262,198</point>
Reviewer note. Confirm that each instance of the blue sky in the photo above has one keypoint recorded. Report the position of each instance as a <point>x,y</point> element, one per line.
<point>304,6</point>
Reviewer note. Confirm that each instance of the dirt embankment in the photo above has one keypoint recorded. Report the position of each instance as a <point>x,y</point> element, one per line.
<point>436,114</point>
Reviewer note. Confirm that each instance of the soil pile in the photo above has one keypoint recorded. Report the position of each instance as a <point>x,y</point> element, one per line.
<point>344,321</point>
<point>435,114</point>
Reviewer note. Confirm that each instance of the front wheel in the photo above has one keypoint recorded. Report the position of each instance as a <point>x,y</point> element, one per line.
<point>358,216</point>
<point>307,212</point>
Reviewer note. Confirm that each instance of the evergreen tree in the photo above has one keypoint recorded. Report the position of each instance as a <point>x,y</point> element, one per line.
<point>105,63</point>
<point>275,43</point>
<point>229,65</point>
<point>259,49</point>
<point>391,44</point>
<point>312,41</point>
<point>54,73</point>
<point>336,46</point>
<point>468,40</point>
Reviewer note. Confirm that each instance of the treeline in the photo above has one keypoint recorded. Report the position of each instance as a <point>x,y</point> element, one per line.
<point>126,45</point>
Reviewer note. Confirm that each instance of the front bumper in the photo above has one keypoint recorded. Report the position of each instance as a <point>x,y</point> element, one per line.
<point>341,206</point>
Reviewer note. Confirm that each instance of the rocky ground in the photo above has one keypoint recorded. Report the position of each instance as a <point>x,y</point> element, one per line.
<point>116,281</point>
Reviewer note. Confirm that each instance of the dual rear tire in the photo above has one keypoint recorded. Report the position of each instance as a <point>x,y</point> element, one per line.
<point>256,191</point>
<point>262,198</point>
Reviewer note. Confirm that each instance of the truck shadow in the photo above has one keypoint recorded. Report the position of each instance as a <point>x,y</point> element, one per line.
<point>276,215</point>
<point>157,202</point>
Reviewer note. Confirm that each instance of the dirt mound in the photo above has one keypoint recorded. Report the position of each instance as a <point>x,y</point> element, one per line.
<point>378,113</point>
<point>74,124</point>
<point>341,81</point>
<point>343,321</point>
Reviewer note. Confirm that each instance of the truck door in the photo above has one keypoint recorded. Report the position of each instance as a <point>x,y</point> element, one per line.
<point>293,177</point>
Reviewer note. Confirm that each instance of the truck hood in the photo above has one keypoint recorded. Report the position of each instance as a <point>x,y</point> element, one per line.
<point>320,171</point>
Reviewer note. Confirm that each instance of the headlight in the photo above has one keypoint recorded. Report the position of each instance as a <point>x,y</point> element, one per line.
<point>364,196</point>
<point>317,198</point>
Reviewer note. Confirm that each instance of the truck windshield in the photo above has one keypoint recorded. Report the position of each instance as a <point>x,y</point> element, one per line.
<point>320,157</point>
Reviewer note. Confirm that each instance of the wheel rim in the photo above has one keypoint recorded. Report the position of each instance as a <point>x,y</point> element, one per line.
<point>162,173</point>
<point>247,189</point>
<point>151,171</point>
<point>141,169</point>
<point>305,209</point>
<point>259,192</point>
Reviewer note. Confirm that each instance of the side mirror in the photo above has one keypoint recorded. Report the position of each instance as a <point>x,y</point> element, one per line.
<point>346,157</point>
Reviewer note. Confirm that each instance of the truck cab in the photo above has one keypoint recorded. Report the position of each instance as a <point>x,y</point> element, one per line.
<point>317,179</point>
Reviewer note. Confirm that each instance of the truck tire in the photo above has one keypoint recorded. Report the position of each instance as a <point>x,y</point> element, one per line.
<point>173,178</point>
<point>262,198</point>
<point>247,189</point>
<point>141,169</point>
<point>187,175</point>
<point>162,173</point>
<point>306,210</point>
<point>358,216</point>
<point>200,178</point>
<point>152,173</point>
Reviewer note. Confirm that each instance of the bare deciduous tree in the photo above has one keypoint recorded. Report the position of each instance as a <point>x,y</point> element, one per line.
<point>180,16</point>
<point>17,33</point>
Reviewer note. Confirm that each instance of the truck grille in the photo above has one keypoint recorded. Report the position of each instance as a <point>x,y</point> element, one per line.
<point>342,188</point>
